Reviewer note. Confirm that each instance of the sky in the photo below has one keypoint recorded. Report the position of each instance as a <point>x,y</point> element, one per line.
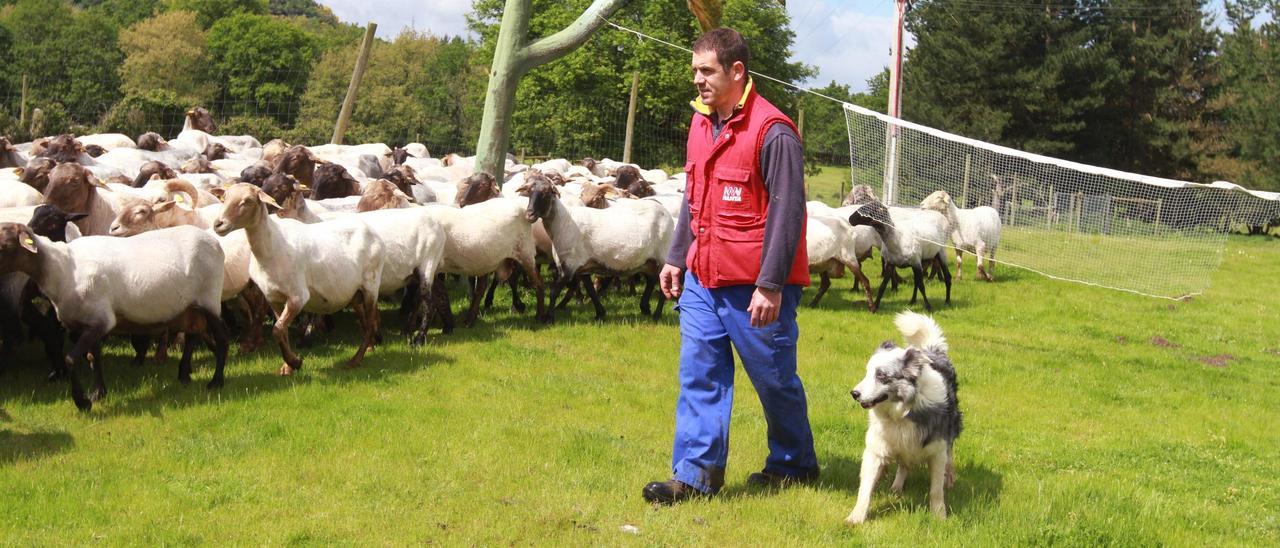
<point>847,40</point>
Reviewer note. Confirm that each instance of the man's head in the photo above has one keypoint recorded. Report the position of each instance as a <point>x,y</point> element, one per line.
<point>720,59</point>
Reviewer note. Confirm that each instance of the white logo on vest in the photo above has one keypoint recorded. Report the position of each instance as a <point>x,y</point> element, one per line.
<point>732,194</point>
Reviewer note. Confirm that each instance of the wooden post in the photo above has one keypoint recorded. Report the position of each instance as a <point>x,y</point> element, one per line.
<point>22,107</point>
<point>964,192</point>
<point>1048,213</point>
<point>1159,206</point>
<point>1013,203</point>
<point>631,116</point>
<point>800,122</point>
<point>344,117</point>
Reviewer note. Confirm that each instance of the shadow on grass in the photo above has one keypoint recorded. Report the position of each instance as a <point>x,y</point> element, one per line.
<point>976,487</point>
<point>19,447</point>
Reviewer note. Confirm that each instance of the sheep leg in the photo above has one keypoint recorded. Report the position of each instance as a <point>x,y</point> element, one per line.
<point>946,277</point>
<point>95,362</point>
<point>51,334</point>
<point>516,304</point>
<point>822,289</point>
<point>219,348</point>
<point>292,362</point>
<point>652,282</point>
<point>256,309</point>
<point>410,304</point>
<point>140,343</point>
<point>960,263</point>
<point>188,348</point>
<point>476,292</point>
<point>81,352</point>
<point>644,298</point>
<point>595,298</point>
<point>574,286</point>
<point>860,278</point>
<point>979,253</point>
<point>488,296</point>
<point>545,314</point>
<point>441,305</point>
<point>366,306</point>
<point>884,284</point>
<point>918,273</point>
<point>422,316</point>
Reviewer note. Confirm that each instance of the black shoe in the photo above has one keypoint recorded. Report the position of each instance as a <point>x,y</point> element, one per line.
<point>765,478</point>
<point>669,492</point>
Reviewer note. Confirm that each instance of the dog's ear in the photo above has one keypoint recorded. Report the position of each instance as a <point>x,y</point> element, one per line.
<point>913,363</point>
<point>888,345</point>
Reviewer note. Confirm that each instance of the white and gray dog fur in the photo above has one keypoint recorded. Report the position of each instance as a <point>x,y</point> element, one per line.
<point>914,413</point>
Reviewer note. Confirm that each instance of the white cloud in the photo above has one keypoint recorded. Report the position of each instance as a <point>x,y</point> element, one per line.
<point>438,17</point>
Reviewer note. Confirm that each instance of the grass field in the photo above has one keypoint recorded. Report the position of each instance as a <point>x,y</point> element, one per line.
<point>1093,417</point>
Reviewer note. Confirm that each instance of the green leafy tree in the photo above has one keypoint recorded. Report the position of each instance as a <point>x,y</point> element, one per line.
<point>417,88</point>
<point>123,13</point>
<point>263,64</point>
<point>303,8</point>
<point>167,52</point>
<point>209,12</point>
<point>70,58</point>
<point>1249,125</point>
<point>577,105</point>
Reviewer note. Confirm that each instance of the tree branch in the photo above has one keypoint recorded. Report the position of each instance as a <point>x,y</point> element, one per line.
<point>552,47</point>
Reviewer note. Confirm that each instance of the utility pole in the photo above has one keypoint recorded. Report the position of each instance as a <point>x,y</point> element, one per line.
<point>895,104</point>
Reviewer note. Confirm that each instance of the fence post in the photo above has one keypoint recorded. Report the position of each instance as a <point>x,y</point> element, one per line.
<point>22,107</point>
<point>344,117</point>
<point>964,193</point>
<point>631,116</point>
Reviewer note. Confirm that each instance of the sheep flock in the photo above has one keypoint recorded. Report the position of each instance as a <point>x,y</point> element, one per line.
<point>165,241</point>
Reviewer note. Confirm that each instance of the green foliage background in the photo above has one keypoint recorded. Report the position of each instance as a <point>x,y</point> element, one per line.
<point>1158,89</point>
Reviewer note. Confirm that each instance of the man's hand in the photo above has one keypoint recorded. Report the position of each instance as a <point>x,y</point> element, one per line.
<point>669,280</point>
<point>764,307</point>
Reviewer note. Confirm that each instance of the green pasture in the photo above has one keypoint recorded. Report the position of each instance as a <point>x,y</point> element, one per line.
<point>1093,417</point>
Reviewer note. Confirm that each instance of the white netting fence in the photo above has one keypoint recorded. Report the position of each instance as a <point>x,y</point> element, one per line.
<point>1147,235</point>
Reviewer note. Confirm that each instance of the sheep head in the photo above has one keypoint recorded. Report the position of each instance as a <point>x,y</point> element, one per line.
<point>51,222</point>
<point>382,194</point>
<point>939,201</point>
<point>859,194</point>
<point>244,206</point>
<point>18,249</point>
<point>72,187</point>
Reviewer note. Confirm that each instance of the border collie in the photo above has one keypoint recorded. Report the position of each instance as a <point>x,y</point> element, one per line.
<point>910,394</point>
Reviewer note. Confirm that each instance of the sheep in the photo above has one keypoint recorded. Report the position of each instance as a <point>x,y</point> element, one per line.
<point>153,169</point>
<point>484,238</point>
<point>36,172</point>
<point>833,245</point>
<point>319,268</point>
<point>333,181</point>
<point>63,148</point>
<point>9,156</point>
<point>17,193</point>
<point>974,230</point>
<point>164,279</point>
<point>910,238</point>
<point>382,194</point>
<point>200,119</point>
<point>633,236</point>
<point>414,241</point>
<point>299,162</point>
<point>151,141</point>
<point>255,174</point>
<point>859,194</point>
<point>17,293</point>
<point>106,141</point>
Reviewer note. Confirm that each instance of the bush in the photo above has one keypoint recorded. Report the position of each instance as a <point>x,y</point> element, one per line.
<point>157,110</point>
<point>262,128</point>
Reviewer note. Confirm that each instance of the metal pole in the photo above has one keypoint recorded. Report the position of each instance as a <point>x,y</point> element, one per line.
<point>344,117</point>
<point>895,105</point>
<point>631,116</point>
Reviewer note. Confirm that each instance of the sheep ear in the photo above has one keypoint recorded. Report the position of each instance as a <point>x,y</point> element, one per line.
<point>18,171</point>
<point>160,207</point>
<point>99,183</point>
<point>523,190</point>
<point>183,200</point>
<point>73,217</point>
<point>269,201</point>
<point>218,192</point>
<point>28,241</point>
<point>73,231</point>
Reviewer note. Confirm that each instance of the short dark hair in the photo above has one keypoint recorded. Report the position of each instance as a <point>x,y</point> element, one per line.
<point>730,47</point>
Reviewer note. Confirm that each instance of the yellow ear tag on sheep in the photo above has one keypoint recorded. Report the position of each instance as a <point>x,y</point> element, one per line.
<point>29,244</point>
<point>303,187</point>
<point>178,198</point>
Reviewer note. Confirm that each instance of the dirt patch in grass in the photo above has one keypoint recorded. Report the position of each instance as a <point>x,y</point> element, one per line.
<point>1272,351</point>
<point>1219,361</point>
<point>1122,339</point>
<point>1162,342</point>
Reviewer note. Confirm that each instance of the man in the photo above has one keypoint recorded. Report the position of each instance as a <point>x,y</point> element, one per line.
<point>739,247</point>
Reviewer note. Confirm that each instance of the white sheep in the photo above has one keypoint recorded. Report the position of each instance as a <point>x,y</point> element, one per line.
<point>319,268</point>
<point>833,245</point>
<point>909,238</point>
<point>164,279</point>
<point>414,241</point>
<point>974,230</point>
<point>487,237</point>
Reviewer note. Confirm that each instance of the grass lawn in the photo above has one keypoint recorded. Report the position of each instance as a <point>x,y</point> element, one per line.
<point>1092,417</point>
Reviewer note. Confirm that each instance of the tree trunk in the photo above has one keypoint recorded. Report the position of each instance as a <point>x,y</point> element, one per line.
<point>513,57</point>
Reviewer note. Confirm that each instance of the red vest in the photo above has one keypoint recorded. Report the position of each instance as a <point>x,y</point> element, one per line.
<point>727,197</point>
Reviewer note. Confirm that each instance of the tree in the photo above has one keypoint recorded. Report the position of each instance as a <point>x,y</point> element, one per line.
<point>70,58</point>
<point>577,105</point>
<point>416,88</point>
<point>1249,125</point>
<point>123,13</point>
<point>167,52</point>
<point>209,12</point>
<point>302,8</point>
<point>263,64</point>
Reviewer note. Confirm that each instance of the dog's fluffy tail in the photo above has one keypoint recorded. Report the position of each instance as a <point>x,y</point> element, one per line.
<point>921,331</point>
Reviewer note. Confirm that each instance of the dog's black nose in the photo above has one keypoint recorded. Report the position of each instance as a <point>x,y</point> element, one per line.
<point>855,394</point>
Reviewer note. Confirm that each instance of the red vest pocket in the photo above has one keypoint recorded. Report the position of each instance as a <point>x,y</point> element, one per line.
<point>737,260</point>
<point>732,189</point>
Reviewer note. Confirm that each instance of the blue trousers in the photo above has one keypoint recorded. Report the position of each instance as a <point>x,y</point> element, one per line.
<point>711,321</point>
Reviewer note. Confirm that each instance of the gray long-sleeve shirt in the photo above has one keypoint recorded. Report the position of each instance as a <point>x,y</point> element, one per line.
<point>782,166</point>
